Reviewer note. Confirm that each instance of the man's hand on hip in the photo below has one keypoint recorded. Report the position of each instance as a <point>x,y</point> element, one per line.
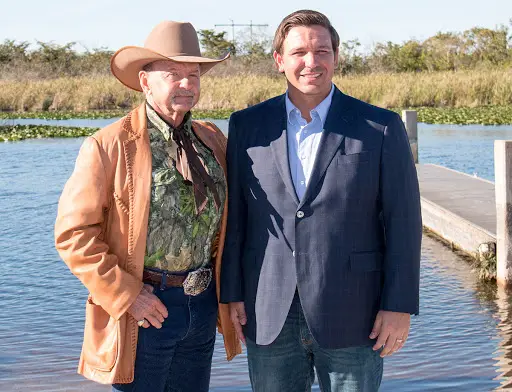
<point>391,330</point>
<point>149,308</point>
<point>238,318</point>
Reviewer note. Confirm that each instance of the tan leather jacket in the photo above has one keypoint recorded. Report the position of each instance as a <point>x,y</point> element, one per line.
<point>101,231</point>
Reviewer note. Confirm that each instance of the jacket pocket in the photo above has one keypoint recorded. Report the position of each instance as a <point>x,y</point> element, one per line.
<point>360,157</point>
<point>366,261</point>
<point>101,338</point>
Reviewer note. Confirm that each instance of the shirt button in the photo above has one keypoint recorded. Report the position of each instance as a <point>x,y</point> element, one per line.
<point>302,183</point>
<point>300,214</point>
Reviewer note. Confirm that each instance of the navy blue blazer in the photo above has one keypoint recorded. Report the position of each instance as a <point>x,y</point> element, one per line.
<point>351,247</point>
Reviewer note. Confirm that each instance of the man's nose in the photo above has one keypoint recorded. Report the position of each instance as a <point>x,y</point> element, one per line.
<point>310,60</point>
<point>185,83</point>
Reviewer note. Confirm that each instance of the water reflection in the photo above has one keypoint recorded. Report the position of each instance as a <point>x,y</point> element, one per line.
<point>503,299</point>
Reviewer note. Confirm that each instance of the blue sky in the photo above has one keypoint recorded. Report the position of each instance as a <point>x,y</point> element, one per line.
<point>115,23</point>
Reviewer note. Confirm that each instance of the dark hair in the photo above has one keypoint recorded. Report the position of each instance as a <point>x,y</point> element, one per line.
<point>148,67</point>
<point>304,18</point>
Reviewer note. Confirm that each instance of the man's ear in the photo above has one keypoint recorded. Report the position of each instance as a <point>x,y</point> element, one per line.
<point>336,58</point>
<point>279,61</point>
<point>143,80</point>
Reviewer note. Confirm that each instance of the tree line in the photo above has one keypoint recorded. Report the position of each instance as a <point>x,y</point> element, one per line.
<point>475,48</point>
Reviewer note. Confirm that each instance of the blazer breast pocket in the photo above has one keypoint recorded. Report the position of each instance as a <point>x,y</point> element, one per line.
<point>348,159</point>
<point>355,176</point>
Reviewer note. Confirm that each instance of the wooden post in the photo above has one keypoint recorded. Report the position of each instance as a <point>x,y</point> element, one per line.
<point>410,119</point>
<point>503,189</point>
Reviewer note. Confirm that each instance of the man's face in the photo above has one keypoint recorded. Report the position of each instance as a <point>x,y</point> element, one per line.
<point>308,59</point>
<point>173,87</point>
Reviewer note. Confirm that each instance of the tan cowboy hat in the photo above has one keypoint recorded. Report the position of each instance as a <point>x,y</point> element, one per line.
<point>169,40</point>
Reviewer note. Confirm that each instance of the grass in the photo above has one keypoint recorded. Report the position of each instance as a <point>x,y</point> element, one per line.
<point>464,97</point>
<point>227,93</point>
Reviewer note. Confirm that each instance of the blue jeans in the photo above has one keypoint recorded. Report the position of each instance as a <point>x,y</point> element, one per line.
<point>288,363</point>
<point>177,357</point>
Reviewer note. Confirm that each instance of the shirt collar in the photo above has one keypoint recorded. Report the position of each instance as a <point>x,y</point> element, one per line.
<point>321,110</point>
<point>164,127</point>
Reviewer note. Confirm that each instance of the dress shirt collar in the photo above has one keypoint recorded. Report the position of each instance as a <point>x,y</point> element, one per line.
<point>321,110</point>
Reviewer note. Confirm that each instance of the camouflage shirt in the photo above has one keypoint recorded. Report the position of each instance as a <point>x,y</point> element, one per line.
<point>178,239</point>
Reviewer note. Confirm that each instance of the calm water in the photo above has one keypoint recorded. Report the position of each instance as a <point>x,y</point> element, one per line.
<point>468,148</point>
<point>461,341</point>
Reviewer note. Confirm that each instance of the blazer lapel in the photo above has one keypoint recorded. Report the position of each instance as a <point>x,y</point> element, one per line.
<point>278,124</point>
<point>338,119</point>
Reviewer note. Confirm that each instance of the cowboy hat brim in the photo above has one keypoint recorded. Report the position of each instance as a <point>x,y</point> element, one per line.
<point>126,63</point>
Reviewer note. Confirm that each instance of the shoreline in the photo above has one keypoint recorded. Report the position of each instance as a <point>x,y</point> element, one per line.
<point>217,114</point>
<point>483,115</point>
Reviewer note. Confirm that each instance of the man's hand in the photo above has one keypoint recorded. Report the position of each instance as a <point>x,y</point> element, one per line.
<point>392,330</point>
<point>238,318</point>
<point>147,306</point>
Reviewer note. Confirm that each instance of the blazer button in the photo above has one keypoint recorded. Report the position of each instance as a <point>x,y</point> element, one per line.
<point>293,253</point>
<point>300,214</point>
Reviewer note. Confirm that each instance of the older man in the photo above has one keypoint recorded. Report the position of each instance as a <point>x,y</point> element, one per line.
<point>141,223</point>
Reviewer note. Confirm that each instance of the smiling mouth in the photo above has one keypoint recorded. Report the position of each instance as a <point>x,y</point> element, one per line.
<point>312,75</point>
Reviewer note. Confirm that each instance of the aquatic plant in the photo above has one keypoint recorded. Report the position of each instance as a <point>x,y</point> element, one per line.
<point>20,132</point>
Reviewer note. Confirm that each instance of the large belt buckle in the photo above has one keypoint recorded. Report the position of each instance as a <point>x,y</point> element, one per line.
<point>197,281</point>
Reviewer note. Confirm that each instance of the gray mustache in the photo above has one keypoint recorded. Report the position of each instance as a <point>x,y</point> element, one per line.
<point>183,94</point>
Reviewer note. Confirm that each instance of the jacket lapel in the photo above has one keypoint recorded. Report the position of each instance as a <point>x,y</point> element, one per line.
<point>277,123</point>
<point>138,167</point>
<point>338,119</point>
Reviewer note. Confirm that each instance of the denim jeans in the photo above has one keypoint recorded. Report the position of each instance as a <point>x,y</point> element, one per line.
<point>177,357</point>
<point>288,363</point>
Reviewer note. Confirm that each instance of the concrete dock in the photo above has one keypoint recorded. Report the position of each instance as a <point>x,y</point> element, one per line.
<point>458,207</point>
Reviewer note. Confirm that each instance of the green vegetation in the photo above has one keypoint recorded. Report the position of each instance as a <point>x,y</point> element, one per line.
<point>456,78</point>
<point>446,51</point>
<point>484,115</point>
<point>224,94</point>
<point>486,268</point>
<point>64,115</point>
<point>21,132</point>
<point>489,115</point>
<point>215,44</point>
<point>101,114</point>
<point>475,48</point>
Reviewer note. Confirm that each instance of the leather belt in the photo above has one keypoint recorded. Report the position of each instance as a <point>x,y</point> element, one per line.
<point>171,280</point>
<point>193,283</point>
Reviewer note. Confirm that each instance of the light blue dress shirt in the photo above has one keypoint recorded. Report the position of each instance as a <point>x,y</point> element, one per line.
<point>303,141</point>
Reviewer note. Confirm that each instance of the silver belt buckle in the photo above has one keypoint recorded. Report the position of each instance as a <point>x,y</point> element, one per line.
<point>197,281</point>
